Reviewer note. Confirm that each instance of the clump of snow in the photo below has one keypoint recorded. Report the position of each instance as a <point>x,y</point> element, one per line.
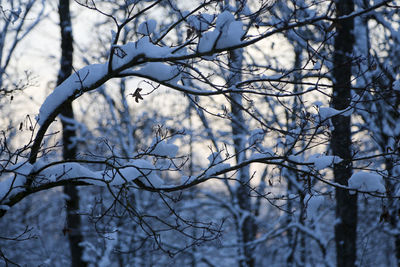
<point>327,112</point>
<point>160,72</point>
<point>165,150</point>
<point>223,20</point>
<point>322,162</point>
<point>147,27</point>
<point>65,171</point>
<point>228,32</point>
<point>135,169</point>
<point>232,36</point>
<point>365,181</point>
<point>207,41</point>
<point>312,203</point>
<point>145,46</point>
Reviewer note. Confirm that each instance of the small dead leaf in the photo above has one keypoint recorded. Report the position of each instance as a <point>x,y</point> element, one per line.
<point>137,95</point>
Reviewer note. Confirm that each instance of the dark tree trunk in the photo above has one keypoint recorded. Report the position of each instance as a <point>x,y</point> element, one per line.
<point>69,148</point>
<point>346,204</point>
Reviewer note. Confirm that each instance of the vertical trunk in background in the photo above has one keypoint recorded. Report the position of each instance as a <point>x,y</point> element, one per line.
<point>69,149</point>
<point>346,204</point>
<point>246,224</point>
<point>296,238</point>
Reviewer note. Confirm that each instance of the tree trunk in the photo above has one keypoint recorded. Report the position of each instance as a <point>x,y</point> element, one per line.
<point>346,204</point>
<point>69,148</point>
<point>247,227</point>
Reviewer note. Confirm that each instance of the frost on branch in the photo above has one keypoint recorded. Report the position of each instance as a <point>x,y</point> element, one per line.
<point>85,77</point>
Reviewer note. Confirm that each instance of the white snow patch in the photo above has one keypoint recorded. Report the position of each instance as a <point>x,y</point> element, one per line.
<point>165,150</point>
<point>207,41</point>
<point>223,20</point>
<point>322,162</point>
<point>232,36</point>
<point>327,112</point>
<point>134,169</point>
<point>365,181</point>
<point>228,32</point>
<point>160,72</point>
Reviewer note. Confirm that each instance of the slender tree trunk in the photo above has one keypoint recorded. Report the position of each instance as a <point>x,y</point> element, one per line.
<point>69,148</point>
<point>346,204</point>
<point>247,226</point>
<point>293,235</point>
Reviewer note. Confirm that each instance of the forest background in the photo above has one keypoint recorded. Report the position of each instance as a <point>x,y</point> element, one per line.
<point>201,133</point>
